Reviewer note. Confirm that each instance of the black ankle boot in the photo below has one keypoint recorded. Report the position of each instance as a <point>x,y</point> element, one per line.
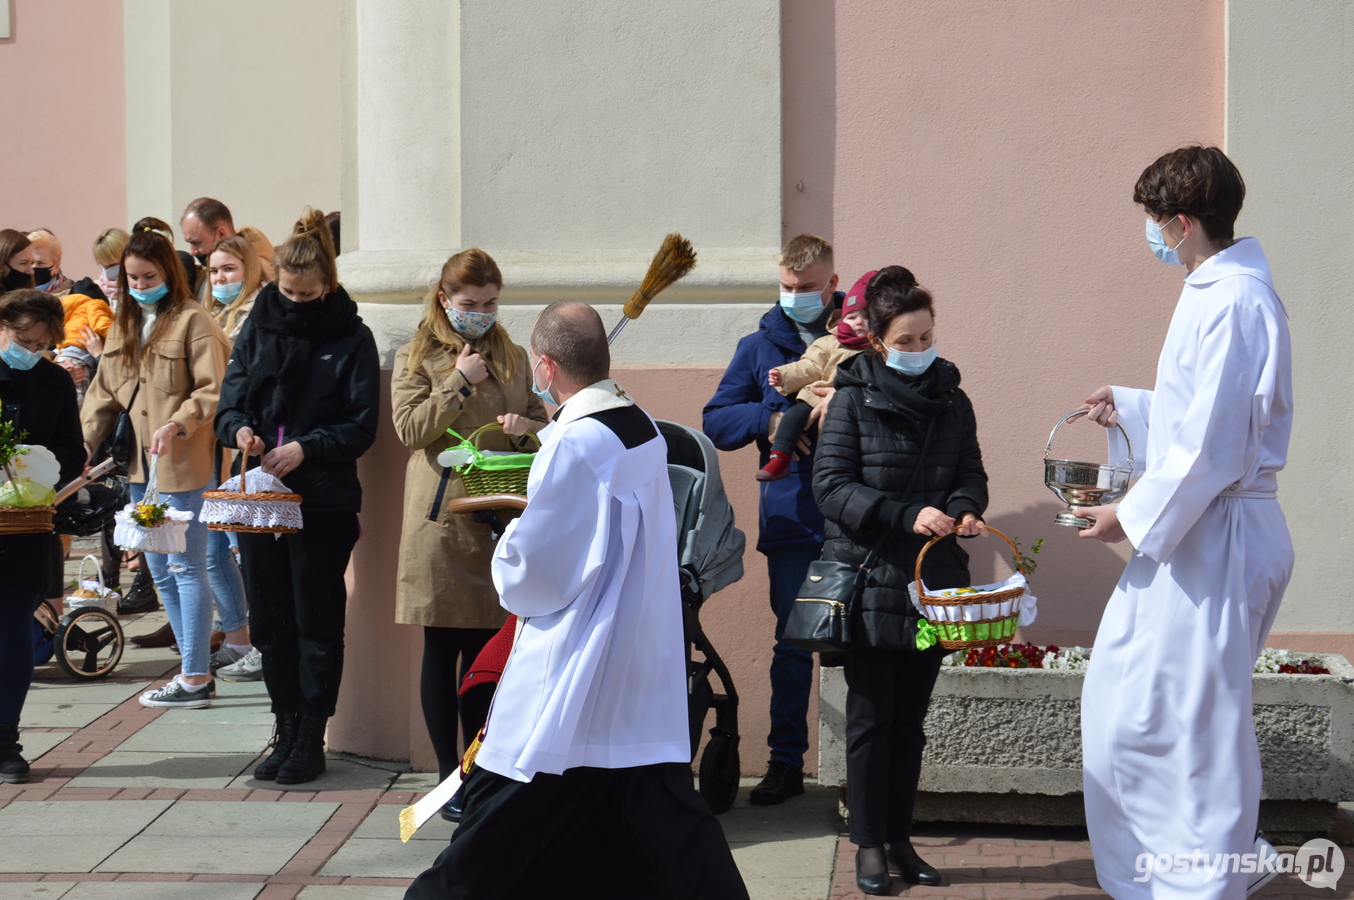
<point>872,872</point>
<point>13,767</point>
<point>284,739</point>
<point>306,762</point>
<point>904,862</point>
<point>141,597</point>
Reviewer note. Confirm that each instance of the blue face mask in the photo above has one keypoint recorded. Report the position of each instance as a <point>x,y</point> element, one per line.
<point>226,293</point>
<point>911,364</point>
<point>803,308</point>
<point>150,297</point>
<point>19,357</point>
<point>545,395</point>
<point>1160,250</point>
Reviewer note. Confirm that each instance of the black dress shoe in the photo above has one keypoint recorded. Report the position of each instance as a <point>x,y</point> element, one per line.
<point>782,781</point>
<point>872,874</point>
<point>905,863</point>
<point>455,806</point>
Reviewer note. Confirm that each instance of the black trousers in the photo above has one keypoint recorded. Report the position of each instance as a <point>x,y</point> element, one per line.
<point>297,606</point>
<point>439,685</point>
<point>887,695</point>
<point>589,833</point>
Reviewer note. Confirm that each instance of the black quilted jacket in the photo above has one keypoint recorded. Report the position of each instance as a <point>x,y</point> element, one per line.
<point>868,449</point>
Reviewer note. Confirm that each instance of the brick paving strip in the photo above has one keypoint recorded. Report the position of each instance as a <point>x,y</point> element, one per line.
<point>54,769</point>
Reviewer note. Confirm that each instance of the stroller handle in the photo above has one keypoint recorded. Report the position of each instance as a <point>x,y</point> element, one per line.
<point>95,474</point>
<point>487,502</point>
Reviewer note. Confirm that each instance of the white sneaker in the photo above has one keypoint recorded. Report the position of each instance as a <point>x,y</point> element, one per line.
<point>248,668</point>
<point>177,695</point>
<point>226,656</point>
<point>1267,857</point>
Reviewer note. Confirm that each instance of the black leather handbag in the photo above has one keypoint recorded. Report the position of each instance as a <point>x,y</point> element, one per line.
<point>820,620</point>
<point>122,442</point>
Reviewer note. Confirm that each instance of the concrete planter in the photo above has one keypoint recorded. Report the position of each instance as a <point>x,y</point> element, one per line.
<point>977,772</point>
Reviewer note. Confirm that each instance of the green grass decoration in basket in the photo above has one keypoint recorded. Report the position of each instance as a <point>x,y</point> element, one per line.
<point>489,472</point>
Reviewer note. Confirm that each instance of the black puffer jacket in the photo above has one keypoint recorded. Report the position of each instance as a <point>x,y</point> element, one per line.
<point>868,448</point>
<point>313,370</point>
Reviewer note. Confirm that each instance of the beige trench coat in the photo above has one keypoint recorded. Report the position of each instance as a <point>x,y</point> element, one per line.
<point>444,557</point>
<point>179,381</point>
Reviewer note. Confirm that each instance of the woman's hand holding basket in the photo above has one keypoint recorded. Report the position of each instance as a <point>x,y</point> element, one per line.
<point>934,522</point>
<point>160,440</point>
<point>248,443</point>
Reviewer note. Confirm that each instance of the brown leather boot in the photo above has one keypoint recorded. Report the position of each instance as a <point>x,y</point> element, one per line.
<point>161,637</point>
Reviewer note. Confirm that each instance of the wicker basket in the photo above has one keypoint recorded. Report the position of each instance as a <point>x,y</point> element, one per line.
<point>260,512</point>
<point>92,592</point>
<point>960,622</point>
<point>26,519</point>
<point>169,536</point>
<point>484,475</point>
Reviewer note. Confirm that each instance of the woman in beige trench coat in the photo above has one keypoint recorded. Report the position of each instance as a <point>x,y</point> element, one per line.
<point>460,371</point>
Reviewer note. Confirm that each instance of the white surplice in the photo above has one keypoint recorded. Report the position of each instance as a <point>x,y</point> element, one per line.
<point>597,675</point>
<point>1170,758</point>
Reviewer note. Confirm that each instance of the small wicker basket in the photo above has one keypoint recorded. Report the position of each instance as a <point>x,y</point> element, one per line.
<point>484,475</point>
<point>26,519</point>
<point>93,592</point>
<point>260,512</point>
<point>970,620</point>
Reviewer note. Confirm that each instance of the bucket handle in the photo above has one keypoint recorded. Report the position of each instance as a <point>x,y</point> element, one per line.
<point>1081,412</point>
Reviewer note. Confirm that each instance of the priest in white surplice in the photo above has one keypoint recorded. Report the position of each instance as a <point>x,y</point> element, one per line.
<point>582,787</point>
<point>1171,762</point>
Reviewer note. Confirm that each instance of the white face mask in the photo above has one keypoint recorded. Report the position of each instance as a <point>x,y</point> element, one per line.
<point>111,273</point>
<point>911,364</point>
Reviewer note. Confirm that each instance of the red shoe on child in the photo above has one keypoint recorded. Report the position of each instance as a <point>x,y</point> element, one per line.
<point>776,468</point>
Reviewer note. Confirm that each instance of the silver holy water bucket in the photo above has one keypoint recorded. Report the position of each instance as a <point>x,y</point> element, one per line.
<point>1083,484</point>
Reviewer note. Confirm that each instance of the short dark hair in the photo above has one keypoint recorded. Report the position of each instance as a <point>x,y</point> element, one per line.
<point>26,307</point>
<point>893,292</point>
<point>209,212</point>
<point>1197,181</point>
<point>571,334</point>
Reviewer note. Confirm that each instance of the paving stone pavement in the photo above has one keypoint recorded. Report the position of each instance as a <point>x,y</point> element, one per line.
<point>127,803</point>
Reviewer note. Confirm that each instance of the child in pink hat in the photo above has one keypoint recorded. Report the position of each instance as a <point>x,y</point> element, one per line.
<point>815,369</point>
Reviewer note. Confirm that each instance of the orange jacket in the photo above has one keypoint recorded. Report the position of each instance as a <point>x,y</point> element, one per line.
<point>82,312</point>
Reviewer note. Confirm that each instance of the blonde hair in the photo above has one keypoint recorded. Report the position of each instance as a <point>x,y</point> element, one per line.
<point>43,238</point>
<point>262,246</point>
<point>803,250</point>
<point>473,268</point>
<point>108,247</point>
<point>309,250</point>
<point>237,246</point>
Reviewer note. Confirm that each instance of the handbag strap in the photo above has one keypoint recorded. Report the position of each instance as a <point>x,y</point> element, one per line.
<point>870,560</point>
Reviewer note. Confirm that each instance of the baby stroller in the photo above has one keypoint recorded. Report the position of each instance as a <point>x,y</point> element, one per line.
<point>710,556</point>
<point>87,641</point>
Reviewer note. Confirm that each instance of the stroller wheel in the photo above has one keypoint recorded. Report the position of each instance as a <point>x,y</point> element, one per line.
<point>719,771</point>
<point>88,644</point>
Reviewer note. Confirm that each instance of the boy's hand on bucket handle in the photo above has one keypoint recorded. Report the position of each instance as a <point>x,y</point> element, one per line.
<point>1101,406</point>
<point>1106,527</point>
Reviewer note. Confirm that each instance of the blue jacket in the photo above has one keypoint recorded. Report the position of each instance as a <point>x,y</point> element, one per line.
<point>738,414</point>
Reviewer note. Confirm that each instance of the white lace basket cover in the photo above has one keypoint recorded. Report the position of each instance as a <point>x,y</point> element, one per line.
<point>263,506</point>
<point>170,536</point>
<point>978,610</point>
<point>92,591</point>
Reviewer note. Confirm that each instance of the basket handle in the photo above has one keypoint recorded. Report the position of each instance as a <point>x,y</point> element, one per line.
<point>495,426</point>
<point>152,495</point>
<point>98,571</point>
<point>1048,448</point>
<point>921,590</point>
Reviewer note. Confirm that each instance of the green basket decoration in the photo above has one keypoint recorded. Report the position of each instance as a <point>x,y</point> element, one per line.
<point>979,631</point>
<point>483,474</point>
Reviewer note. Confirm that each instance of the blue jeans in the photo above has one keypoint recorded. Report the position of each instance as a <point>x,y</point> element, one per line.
<point>791,667</point>
<point>16,651</point>
<point>181,579</point>
<point>223,573</point>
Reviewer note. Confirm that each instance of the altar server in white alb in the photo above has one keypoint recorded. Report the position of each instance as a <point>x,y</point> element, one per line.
<point>1171,762</point>
<point>582,787</point>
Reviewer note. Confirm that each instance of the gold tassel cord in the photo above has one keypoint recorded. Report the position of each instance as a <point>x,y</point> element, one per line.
<point>674,259</point>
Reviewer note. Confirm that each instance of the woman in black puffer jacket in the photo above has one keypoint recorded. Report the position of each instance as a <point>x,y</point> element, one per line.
<point>897,462</point>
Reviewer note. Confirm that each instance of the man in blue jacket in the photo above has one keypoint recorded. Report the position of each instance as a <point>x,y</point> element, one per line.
<point>747,408</point>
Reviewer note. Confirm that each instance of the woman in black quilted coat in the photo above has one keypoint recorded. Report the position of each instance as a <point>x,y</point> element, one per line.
<point>897,462</point>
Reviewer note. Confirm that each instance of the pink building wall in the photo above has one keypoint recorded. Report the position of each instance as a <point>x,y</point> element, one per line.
<point>992,148</point>
<point>65,152</point>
